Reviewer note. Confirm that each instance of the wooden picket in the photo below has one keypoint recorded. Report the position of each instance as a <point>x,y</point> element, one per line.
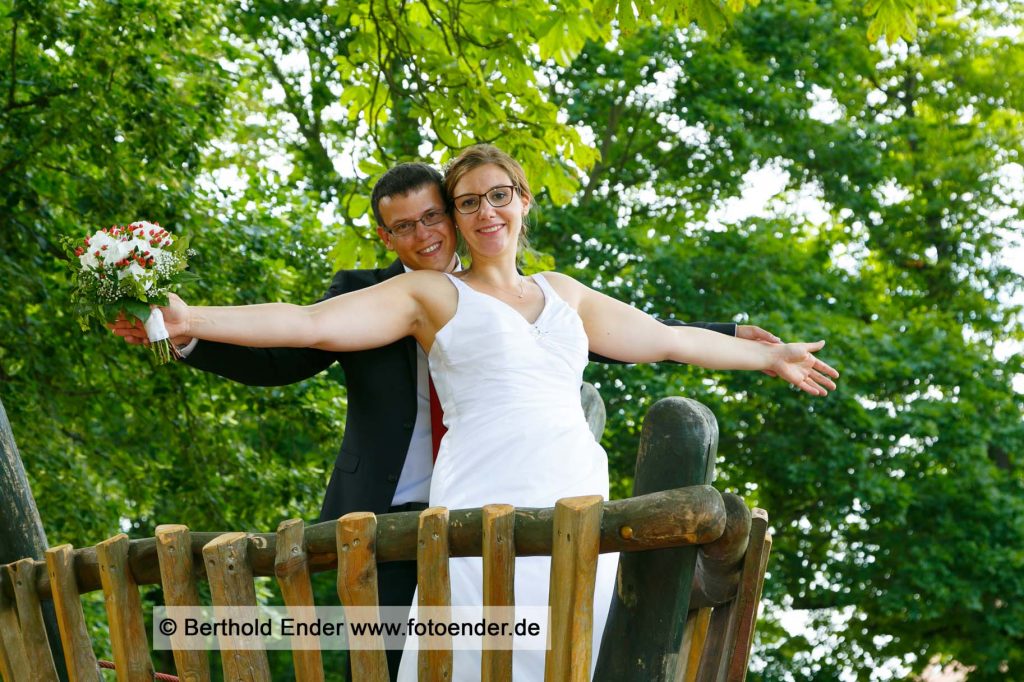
<point>177,576</point>
<point>13,658</point>
<point>124,611</point>
<point>231,584</point>
<point>499,559</point>
<point>30,615</point>
<point>434,589</point>
<point>291,567</point>
<point>576,537</point>
<point>78,653</point>
<point>357,587</point>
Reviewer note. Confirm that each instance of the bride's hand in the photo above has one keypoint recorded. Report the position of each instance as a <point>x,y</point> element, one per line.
<point>795,362</point>
<point>175,318</point>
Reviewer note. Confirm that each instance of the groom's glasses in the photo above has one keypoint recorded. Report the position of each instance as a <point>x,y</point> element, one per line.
<point>404,229</point>
<point>496,196</point>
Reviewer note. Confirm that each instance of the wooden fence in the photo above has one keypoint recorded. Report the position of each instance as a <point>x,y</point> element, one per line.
<point>707,548</point>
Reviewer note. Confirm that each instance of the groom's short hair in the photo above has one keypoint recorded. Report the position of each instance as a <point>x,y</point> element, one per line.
<point>402,179</point>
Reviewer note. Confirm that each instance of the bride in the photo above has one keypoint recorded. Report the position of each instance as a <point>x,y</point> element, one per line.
<point>507,354</point>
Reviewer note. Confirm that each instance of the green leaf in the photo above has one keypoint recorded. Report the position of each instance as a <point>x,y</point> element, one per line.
<point>136,309</point>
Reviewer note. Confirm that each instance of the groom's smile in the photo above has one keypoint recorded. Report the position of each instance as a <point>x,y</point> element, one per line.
<point>427,247</point>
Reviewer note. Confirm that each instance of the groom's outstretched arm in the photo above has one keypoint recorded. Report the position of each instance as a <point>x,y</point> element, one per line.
<point>274,366</point>
<point>260,366</point>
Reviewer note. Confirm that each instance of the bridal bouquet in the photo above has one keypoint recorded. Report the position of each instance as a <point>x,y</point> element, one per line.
<point>127,269</point>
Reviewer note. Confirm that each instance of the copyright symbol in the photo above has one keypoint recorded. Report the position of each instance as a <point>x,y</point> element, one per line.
<point>168,626</point>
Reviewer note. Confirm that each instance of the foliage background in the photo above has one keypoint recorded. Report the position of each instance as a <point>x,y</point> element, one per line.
<point>258,127</point>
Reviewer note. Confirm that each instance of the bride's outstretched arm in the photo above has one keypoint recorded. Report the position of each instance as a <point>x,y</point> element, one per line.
<point>372,317</point>
<point>623,332</point>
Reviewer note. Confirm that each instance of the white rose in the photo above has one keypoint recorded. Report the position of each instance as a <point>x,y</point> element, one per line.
<point>141,244</point>
<point>140,230</point>
<point>143,276</point>
<point>88,259</point>
<point>117,251</point>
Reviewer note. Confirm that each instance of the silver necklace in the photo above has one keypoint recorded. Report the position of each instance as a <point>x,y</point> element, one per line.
<point>522,288</point>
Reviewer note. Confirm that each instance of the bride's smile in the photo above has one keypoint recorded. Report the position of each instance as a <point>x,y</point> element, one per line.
<point>489,208</point>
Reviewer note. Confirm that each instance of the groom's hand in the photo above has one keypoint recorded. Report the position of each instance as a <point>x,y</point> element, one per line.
<point>755,333</point>
<point>175,315</point>
<point>752,332</point>
<point>176,319</point>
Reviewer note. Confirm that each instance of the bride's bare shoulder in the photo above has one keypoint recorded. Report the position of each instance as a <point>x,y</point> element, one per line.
<point>417,279</point>
<point>434,291</point>
<point>567,287</point>
<point>560,279</point>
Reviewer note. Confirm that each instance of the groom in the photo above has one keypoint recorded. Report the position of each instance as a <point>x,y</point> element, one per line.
<point>386,456</point>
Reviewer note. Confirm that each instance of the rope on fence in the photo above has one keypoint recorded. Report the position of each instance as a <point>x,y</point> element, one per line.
<point>163,677</point>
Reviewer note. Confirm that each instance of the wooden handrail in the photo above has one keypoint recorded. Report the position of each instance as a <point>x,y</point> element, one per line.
<point>694,515</point>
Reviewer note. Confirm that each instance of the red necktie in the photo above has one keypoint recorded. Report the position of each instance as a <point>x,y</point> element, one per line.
<point>437,428</point>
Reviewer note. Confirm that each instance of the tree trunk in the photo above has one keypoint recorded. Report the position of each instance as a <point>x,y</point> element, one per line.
<point>21,530</point>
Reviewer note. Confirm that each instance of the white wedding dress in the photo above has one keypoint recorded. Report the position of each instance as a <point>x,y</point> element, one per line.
<point>517,435</point>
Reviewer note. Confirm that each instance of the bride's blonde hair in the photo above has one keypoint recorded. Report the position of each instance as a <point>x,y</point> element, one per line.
<point>481,155</point>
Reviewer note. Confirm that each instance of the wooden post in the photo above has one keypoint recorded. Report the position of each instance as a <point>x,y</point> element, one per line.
<point>292,569</point>
<point>13,659</point>
<point>648,614</point>
<point>21,532</point>
<point>357,587</point>
<point>748,599</point>
<point>499,558</point>
<point>576,544</point>
<point>30,616</point>
<point>177,576</point>
<point>434,590</point>
<point>124,612</point>
<point>230,576</point>
<point>81,661</point>
<point>696,633</point>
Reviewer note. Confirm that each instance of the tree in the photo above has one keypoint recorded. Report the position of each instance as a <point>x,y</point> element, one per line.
<point>873,490</point>
<point>257,127</point>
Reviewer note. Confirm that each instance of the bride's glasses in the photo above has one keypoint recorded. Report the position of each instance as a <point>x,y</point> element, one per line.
<point>496,196</point>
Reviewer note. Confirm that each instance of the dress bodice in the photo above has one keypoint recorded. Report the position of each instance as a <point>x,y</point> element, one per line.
<point>510,390</point>
<point>489,360</point>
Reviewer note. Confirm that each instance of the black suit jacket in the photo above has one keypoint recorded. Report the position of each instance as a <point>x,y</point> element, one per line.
<point>381,387</point>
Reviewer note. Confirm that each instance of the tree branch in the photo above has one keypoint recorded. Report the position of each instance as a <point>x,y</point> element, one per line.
<point>14,64</point>
<point>38,99</point>
<point>308,121</point>
<point>594,177</point>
